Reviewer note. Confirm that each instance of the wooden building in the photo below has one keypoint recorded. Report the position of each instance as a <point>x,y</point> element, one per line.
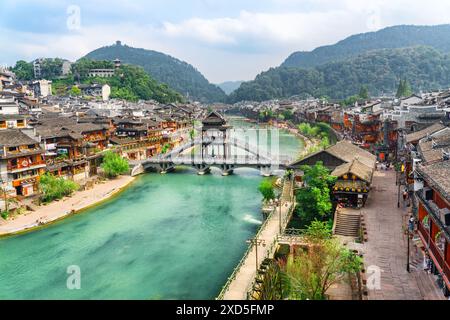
<point>434,217</point>
<point>353,183</point>
<point>21,162</point>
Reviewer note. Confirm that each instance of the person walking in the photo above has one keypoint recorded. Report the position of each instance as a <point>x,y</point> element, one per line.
<point>405,198</point>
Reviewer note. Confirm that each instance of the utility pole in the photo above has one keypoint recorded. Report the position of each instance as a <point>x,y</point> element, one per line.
<point>408,252</point>
<point>256,242</point>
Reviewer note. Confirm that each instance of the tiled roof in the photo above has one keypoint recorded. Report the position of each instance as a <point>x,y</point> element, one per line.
<point>356,168</point>
<point>14,138</point>
<point>437,175</point>
<point>428,153</point>
<point>347,152</point>
<point>416,136</point>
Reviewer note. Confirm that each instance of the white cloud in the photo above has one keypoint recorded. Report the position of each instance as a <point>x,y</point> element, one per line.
<point>281,28</point>
<point>237,45</point>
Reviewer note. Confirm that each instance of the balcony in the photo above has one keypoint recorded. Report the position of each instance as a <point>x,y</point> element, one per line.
<point>21,152</point>
<point>23,166</point>
<point>434,212</point>
<point>31,179</point>
<point>94,138</point>
<point>436,254</point>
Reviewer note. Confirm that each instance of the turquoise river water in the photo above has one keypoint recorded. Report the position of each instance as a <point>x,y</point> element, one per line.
<point>174,236</point>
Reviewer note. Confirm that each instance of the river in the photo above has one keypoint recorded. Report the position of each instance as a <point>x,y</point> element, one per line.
<point>174,236</point>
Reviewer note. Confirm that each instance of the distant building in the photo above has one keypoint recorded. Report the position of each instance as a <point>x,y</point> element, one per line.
<point>96,90</point>
<point>6,79</point>
<point>9,106</point>
<point>13,121</point>
<point>66,68</point>
<point>102,73</point>
<point>37,68</point>
<point>117,63</point>
<point>41,88</point>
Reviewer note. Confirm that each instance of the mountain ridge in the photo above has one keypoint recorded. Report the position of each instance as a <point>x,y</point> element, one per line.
<point>380,70</point>
<point>437,36</point>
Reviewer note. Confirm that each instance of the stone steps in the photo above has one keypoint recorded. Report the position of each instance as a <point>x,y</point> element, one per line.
<point>347,225</point>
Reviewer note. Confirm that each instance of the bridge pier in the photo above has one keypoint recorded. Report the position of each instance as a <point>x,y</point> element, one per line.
<point>166,167</point>
<point>202,169</point>
<point>137,170</point>
<point>227,169</point>
<point>266,171</point>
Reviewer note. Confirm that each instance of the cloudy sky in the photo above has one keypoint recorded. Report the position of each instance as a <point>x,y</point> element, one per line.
<point>224,39</point>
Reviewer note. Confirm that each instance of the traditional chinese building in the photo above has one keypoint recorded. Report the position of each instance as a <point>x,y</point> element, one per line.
<point>353,183</point>
<point>434,217</point>
<point>21,162</point>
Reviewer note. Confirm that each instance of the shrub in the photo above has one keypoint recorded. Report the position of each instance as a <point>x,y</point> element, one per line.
<point>266,189</point>
<point>114,165</point>
<point>54,188</point>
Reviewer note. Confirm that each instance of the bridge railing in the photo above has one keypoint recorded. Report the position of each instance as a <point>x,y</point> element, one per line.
<point>256,150</point>
<point>238,160</point>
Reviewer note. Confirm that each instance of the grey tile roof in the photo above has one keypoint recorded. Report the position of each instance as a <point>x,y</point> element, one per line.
<point>14,138</point>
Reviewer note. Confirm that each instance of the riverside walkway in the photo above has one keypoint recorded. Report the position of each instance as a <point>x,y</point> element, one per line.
<point>240,281</point>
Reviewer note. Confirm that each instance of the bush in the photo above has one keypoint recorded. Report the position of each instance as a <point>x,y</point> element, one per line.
<point>114,165</point>
<point>54,188</point>
<point>5,214</point>
<point>266,189</point>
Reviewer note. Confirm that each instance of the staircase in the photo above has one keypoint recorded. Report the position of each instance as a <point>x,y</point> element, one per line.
<point>347,223</point>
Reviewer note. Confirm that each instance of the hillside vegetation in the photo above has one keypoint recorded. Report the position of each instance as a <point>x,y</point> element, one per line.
<point>177,74</point>
<point>437,37</point>
<point>379,71</point>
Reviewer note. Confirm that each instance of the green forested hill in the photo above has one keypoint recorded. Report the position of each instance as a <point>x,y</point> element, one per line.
<point>129,82</point>
<point>177,74</point>
<point>229,86</point>
<point>437,37</point>
<point>380,70</point>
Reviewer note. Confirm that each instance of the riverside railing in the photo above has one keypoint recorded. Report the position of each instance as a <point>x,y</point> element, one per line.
<point>232,277</point>
<point>269,252</point>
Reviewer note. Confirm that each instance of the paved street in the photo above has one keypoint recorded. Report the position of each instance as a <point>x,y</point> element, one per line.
<point>387,246</point>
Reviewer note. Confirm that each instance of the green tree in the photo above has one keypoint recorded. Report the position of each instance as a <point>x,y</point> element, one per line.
<point>364,93</point>
<point>165,148</point>
<point>114,165</point>
<point>404,89</point>
<point>311,271</point>
<point>266,188</point>
<point>23,70</point>
<point>314,199</point>
<point>54,188</point>
<point>75,91</point>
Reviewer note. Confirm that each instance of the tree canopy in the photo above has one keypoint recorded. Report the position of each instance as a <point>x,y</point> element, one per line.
<point>177,74</point>
<point>379,71</point>
<point>404,89</point>
<point>311,271</point>
<point>266,188</point>
<point>54,188</point>
<point>314,199</point>
<point>114,165</point>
